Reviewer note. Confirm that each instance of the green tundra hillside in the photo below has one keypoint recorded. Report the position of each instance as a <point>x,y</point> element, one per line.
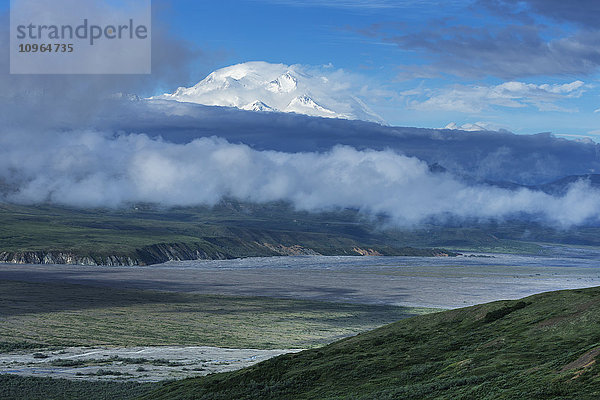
<point>145,234</point>
<point>542,347</point>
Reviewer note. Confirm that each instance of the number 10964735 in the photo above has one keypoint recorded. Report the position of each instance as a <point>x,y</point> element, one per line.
<point>46,48</point>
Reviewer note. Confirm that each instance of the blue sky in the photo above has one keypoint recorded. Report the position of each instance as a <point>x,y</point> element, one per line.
<point>527,66</point>
<point>428,62</point>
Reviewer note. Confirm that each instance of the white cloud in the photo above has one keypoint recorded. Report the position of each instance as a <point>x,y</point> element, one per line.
<point>96,169</point>
<point>475,99</point>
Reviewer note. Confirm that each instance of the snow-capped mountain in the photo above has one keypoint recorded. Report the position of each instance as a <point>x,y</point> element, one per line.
<point>261,86</point>
<point>466,127</point>
<point>476,127</point>
<point>257,106</point>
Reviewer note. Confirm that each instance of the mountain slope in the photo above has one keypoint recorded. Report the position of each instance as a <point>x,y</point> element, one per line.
<point>146,234</point>
<point>260,86</point>
<point>560,186</point>
<point>542,347</point>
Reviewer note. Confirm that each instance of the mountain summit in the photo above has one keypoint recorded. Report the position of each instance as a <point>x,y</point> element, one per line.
<point>264,87</point>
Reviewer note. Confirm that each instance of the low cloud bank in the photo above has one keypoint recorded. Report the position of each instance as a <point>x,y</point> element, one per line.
<point>94,169</point>
<point>493,156</point>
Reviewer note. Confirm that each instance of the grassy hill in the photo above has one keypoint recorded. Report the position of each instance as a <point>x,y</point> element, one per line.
<point>145,234</point>
<point>541,347</point>
<point>34,388</point>
<point>148,234</point>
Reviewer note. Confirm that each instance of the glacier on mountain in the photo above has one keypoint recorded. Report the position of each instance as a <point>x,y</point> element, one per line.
<point>265,87</point>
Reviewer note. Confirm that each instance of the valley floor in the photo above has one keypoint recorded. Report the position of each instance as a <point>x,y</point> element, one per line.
<point>133,328</point>
<point>401,281</point>
<point>139,364</point>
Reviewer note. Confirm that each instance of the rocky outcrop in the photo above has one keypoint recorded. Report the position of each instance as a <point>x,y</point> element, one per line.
<point>294,250</point>
<point>366,252</point>
<point>216,250</point>
<point>154,254</point>
<point>59,257</point>
<point>163,252</point>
